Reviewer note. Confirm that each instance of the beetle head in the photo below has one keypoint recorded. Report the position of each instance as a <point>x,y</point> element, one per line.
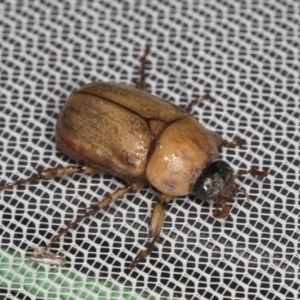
<point>217,181</point>
<point>217,184</point>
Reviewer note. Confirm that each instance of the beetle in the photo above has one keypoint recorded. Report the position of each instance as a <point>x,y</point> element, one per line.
<point>143,139</point>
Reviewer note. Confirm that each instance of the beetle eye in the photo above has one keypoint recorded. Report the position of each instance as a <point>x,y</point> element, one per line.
<point>204,189</point>
<point>213,180</point>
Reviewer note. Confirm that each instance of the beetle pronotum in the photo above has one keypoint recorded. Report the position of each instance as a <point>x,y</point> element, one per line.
<point>145,140</point>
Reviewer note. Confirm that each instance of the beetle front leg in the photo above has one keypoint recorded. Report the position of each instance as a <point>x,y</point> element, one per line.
<point>51,173</point>
<point>95,208</point>
<point>155,226</point>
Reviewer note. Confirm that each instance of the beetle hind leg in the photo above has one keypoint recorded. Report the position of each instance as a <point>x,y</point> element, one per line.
<point>49,174</point>
<point>95,208</point>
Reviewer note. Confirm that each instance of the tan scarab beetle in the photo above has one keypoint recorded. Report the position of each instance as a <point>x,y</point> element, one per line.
<point>143,139</point>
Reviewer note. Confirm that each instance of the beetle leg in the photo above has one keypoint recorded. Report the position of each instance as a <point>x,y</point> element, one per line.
<point>155,226</point>
<point>50,173</point>
<point>220,142</point>
<point>253,172</point>
<point>95,208</point>
<point>142,83</point>
<point>206,96</point>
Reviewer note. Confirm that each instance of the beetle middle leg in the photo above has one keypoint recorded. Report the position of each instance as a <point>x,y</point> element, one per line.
<point>155,226</point>
<point>95,208</point>
<point>51,173</point>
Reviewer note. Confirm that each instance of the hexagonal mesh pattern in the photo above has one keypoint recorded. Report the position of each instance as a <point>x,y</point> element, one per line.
<point>246,53</point>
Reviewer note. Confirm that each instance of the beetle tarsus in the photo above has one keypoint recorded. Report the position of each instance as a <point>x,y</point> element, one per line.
<point>20,182</point>
<point>206,96</point>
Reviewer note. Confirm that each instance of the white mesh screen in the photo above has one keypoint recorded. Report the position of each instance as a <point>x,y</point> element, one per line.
<point>246,53</point>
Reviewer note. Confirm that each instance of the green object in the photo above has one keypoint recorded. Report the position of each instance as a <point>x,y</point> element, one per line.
<point>20,274</point>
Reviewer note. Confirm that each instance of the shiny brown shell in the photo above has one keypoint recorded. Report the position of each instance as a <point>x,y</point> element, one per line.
<point>137,136</point>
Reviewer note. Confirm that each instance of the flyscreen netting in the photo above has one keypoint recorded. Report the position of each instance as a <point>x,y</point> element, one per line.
<point>246,53</point>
